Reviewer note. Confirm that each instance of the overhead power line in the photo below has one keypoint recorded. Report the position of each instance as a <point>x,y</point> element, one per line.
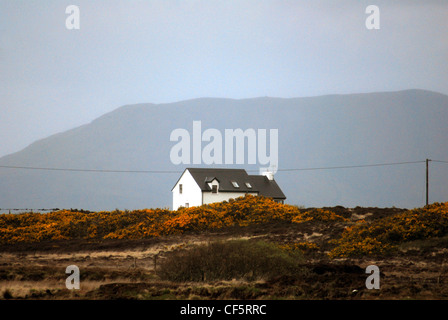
<point>354,166</point>
<point>439,161</point>
<point>281,170</point>
<point>177,171</point>
<point>90,170</point>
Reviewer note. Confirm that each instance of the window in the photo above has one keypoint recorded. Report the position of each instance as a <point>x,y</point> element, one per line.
<point>180,188</point>
<point>214,189</point>
<point>235,184</point>
<point>248,185</point>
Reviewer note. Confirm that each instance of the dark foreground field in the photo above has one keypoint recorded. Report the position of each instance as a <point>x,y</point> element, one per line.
<point>145,269</point>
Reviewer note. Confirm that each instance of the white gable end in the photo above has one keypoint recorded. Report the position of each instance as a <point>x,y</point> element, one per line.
<point>186,192</point>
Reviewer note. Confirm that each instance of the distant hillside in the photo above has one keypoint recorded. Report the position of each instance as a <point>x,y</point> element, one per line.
<point>325,131</point>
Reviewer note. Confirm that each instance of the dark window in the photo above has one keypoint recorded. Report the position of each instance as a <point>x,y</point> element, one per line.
<point>180,188</point>
<point>214,189</point>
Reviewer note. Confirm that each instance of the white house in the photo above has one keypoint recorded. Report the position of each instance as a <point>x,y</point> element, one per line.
<point>198,186</point>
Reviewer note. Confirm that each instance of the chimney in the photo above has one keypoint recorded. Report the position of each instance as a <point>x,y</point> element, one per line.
<point>269,175</point>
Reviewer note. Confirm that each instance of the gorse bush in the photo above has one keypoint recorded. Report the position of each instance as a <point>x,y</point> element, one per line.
<point>317,215</point>
<point>148,223</point>
<point>236,259</point>
<point>380,236</point>
<point>383,235</point>
<point>304,247</point>
<point>65,225</point>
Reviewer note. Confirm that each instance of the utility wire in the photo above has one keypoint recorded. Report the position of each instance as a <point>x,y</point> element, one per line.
<point>172,171</point>
<point>354,166</point>
<point>439,161</point>
<point>90,170</point>
<point>175,171</point>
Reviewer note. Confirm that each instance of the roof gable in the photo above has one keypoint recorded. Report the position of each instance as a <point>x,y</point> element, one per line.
<point>178,180</point>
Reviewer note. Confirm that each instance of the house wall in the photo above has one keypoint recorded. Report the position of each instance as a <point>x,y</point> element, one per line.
<point>209,197</point>
<point>191,193</point>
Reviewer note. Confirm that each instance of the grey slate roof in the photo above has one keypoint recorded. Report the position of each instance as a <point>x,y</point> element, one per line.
<point>260,184</point>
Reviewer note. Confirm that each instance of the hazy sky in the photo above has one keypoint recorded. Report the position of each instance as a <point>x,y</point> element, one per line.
<point>53,79</point>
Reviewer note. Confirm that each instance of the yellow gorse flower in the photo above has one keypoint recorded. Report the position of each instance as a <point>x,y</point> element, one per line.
<point>149,223</point>
<point>382,235</point>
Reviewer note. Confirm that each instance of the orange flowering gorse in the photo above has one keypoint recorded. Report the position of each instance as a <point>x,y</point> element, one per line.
<point>317,215</point>
<point>383,235</point>
<point>304,247</point>
<point>149,223</point>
